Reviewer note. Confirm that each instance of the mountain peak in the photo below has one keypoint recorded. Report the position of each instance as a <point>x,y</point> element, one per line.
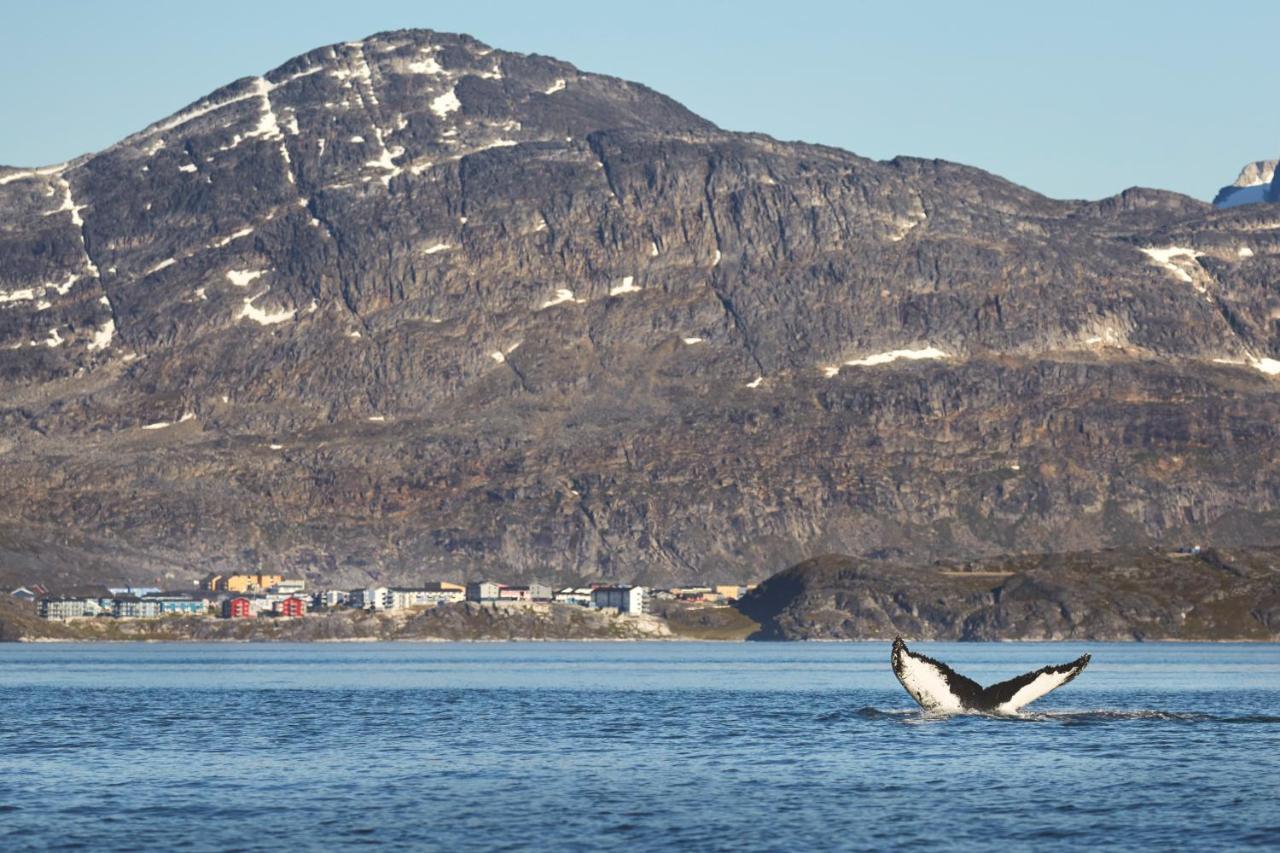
<point>1254,184</point>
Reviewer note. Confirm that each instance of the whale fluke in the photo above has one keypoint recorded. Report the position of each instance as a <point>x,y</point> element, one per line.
<point>937,687</point>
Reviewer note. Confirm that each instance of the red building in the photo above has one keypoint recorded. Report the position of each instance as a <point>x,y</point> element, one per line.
<point>237,608</point>
<point>290,607</point>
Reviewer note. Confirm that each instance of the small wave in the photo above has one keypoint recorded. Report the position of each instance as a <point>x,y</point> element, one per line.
<point>867,713</point>
<point>1068,718</point>
<point>1102,717</point>
<point>1098,717</point>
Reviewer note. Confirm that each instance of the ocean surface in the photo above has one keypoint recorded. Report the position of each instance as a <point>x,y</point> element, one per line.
<point>585,746</point>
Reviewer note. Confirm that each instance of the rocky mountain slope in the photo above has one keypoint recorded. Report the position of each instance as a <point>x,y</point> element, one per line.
<point>1125,594</point>
<point>414,307</point>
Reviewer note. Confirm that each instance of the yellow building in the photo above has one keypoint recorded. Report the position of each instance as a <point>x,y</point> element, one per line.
<point>213,582</point>
<point>249,583</point>
<point>729,591</point>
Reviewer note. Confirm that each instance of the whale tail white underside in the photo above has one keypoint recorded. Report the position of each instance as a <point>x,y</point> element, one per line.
<point>939,688</point>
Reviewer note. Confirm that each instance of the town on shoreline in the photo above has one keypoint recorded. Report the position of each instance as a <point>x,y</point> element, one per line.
<point>271,596</point>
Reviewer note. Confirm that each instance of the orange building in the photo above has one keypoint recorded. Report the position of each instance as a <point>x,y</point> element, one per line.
<point>248,583</point>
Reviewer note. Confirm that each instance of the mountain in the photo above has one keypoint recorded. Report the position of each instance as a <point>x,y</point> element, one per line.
<point>412,307</point>
<point>1123,594</point>
<point>1257,183</point>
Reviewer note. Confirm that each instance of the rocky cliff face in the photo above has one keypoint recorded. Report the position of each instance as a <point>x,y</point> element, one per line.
<point>1256,183</point>
<point>1124,594</point>
<point>413,307</point>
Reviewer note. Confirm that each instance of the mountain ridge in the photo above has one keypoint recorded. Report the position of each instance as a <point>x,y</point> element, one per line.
<point>410,306</point>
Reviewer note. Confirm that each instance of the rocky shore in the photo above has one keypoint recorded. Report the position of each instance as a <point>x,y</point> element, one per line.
<point>1137,594</point>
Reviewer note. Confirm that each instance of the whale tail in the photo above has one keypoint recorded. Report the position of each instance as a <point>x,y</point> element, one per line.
<point>937,687</point>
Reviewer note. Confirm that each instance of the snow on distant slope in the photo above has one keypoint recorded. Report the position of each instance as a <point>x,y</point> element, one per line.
<point>1256,183</point>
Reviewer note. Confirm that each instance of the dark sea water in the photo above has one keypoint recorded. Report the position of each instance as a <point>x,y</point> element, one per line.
<point>643,746</point>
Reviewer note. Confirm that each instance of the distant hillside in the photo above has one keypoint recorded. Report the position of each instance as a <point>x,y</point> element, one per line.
<point>1101,595</point>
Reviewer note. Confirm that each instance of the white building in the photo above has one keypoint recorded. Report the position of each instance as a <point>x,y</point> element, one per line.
<point>483,591</point>
<point>132,607</point>
<point>372,598</point>
<point>64,607</point>
<point>624,599</point>
<point>330,598</point>
<point>401,599</point>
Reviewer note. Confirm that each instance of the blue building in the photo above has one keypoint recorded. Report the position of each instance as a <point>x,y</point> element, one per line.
<point>180,604</point>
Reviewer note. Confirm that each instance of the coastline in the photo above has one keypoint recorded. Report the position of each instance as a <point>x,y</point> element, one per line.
<point>674,638</point>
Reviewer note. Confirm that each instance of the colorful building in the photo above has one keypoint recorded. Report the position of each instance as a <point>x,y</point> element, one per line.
<point>237,608</point>
<point>250,583</point>
<point>190,605</point>
<point>291,607</point>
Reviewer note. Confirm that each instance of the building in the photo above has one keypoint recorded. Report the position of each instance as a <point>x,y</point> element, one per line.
<point>513,593</point>
<point>137,591</point>
<point>483,591</point>
<point>372,598</point>
<point>237,608</point>
<point>249,583</point>
<point>186,604</point>
<point>213,582</point>
<point>580,596</point>
<point>133,607</point>
<point>401,599</point>
<point>60,608</point>
<point>292,607</point>
<point>540,592</point>
<point>289,587</point>
<point>330,598</point>
<point>692,593</point>
<point>624,599</point>
<point>25,594</point>
<point>730,592</point>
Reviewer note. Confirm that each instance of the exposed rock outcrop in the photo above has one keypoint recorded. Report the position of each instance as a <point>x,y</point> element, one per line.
<point>1108,595</point>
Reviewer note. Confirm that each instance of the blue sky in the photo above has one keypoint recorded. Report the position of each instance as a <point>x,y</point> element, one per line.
<point>1076,100</point>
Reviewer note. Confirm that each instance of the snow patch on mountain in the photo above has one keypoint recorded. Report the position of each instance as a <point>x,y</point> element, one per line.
<point>1256,183</point>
